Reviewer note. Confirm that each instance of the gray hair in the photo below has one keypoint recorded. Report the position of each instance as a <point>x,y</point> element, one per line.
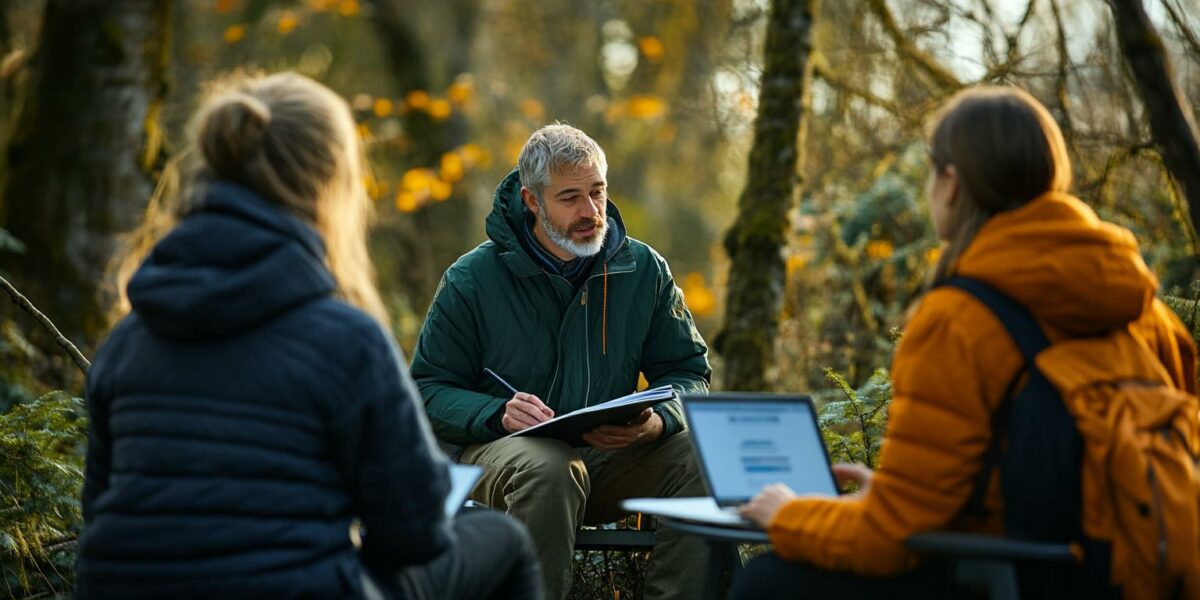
<point>554,149</point>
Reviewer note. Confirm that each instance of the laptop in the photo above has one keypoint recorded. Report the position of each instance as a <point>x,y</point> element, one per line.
<point>743,442</point>
<point>462,480</point>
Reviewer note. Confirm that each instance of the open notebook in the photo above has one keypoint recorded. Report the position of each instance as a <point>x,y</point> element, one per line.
<point>571,426</point>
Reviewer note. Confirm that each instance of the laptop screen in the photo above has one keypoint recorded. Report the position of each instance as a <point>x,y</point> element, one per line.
<point>747,443</point>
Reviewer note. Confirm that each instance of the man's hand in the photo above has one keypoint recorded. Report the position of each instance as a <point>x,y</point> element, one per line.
<point>762,508</point>
<point>524,411</point>
<point>644,428</point>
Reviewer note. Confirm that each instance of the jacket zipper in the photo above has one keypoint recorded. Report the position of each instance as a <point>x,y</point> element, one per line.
<point>586,346</point>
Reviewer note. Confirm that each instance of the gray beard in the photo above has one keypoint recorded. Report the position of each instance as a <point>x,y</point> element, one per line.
<point>563,240</point>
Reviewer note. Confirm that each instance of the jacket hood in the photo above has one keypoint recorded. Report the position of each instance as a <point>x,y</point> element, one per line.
<point>232,263</point>
<point>1075,272</point>
<point>509,213</point>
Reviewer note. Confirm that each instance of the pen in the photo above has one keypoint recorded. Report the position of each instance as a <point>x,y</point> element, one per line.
<point>501,380</point>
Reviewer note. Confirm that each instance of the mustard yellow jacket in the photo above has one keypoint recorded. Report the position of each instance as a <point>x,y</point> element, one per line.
<point>1079,276</point>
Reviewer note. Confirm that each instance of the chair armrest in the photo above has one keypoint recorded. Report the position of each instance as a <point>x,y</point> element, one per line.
<point>971,545</point>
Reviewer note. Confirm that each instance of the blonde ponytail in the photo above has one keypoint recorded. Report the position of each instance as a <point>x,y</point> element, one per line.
<point>293,142</point>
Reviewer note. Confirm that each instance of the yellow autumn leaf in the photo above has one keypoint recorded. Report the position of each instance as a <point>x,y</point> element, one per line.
<point>796,262</point>
<point>879,249</point>
<point>382,107</point>
<point>224,6</point>
<point>418,180</point>
<point>461,90</point>
<point>647,107</point>
<point>532,109</point>
<point>234,34</point>
<point>472,154</point>
<point>441,190</point>
<point>933,254</point>
<point>348,8</point>
<point>452,169</point>
<point>651,47</point>
<point>287,22</point>
<point>700,299</point>
<point>406,201</point>
<point>440,109</point>
<point>417,99</point>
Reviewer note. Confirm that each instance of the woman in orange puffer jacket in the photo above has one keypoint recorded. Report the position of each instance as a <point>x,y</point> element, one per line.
<point>998,196</point>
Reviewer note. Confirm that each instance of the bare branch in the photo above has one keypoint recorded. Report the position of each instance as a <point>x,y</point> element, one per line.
<point>822,71</point>
<point>1176,14</point>
<point>904,46</point>
<point>1064,62</point>
<point>62,342</point>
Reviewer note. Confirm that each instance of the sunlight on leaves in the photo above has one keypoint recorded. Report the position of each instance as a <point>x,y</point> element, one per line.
<point>417,100</point>
<point>647,107</point>
<point>462,90</point>
<point>234,34</point>
<point>652,48</point>
<point>287,22</point>
<point>452,168</point>
<point>699,297</point>
<point>348,8</point>
<point>880,249</point>
<point>439,109</point>
<point>382,107</point>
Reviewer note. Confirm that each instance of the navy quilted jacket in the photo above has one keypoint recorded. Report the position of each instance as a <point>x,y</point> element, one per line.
<point>242,418</point>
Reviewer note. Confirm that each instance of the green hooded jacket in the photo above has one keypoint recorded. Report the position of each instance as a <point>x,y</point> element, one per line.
<point>496,308</point>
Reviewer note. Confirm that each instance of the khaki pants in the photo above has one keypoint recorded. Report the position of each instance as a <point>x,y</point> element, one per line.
<point>554,488</point>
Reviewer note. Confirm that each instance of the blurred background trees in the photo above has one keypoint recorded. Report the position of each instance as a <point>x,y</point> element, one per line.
<point>94,94</point>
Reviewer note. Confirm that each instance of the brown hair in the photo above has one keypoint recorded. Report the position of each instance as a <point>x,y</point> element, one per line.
<point>291,140</point>
<point>1006,150</point>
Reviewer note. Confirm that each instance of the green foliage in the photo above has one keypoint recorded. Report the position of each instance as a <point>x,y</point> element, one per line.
<point>41,473</point>
<point>1188,311</point>
<point>610,574</point>
<point>853,426</point>
<point>858,263</point>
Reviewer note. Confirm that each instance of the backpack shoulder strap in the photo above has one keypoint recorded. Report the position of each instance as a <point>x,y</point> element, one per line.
<point>1024,330</point>
<point>1015,318</point>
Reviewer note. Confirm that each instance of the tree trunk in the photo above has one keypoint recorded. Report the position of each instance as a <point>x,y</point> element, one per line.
<point>84,141</point>
<point>1171,123</point>
<point>428,246</point>
<point>755,243</point>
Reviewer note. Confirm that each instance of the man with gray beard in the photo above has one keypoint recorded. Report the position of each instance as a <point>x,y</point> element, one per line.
<point>568,310</point>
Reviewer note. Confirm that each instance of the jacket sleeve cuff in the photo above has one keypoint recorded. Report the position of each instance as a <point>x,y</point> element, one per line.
<point>481,428</point>
<point>495,423</point>
<point>671,424</point>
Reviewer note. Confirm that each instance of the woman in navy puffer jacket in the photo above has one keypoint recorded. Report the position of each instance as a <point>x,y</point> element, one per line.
<point>250,409</point>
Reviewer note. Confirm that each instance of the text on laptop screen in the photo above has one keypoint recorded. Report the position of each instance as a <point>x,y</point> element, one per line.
<point>746,445</point>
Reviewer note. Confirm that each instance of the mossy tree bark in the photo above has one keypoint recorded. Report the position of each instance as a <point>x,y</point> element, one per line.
<point>1172,125</point>
<point>84,144</point>
<point>755,243</point>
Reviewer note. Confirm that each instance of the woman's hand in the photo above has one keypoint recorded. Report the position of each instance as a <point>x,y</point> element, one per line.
<point>853,473</point>
<point>762,508</point>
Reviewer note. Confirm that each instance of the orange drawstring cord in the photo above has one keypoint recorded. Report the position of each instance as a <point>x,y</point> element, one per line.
<point>604,316</point>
